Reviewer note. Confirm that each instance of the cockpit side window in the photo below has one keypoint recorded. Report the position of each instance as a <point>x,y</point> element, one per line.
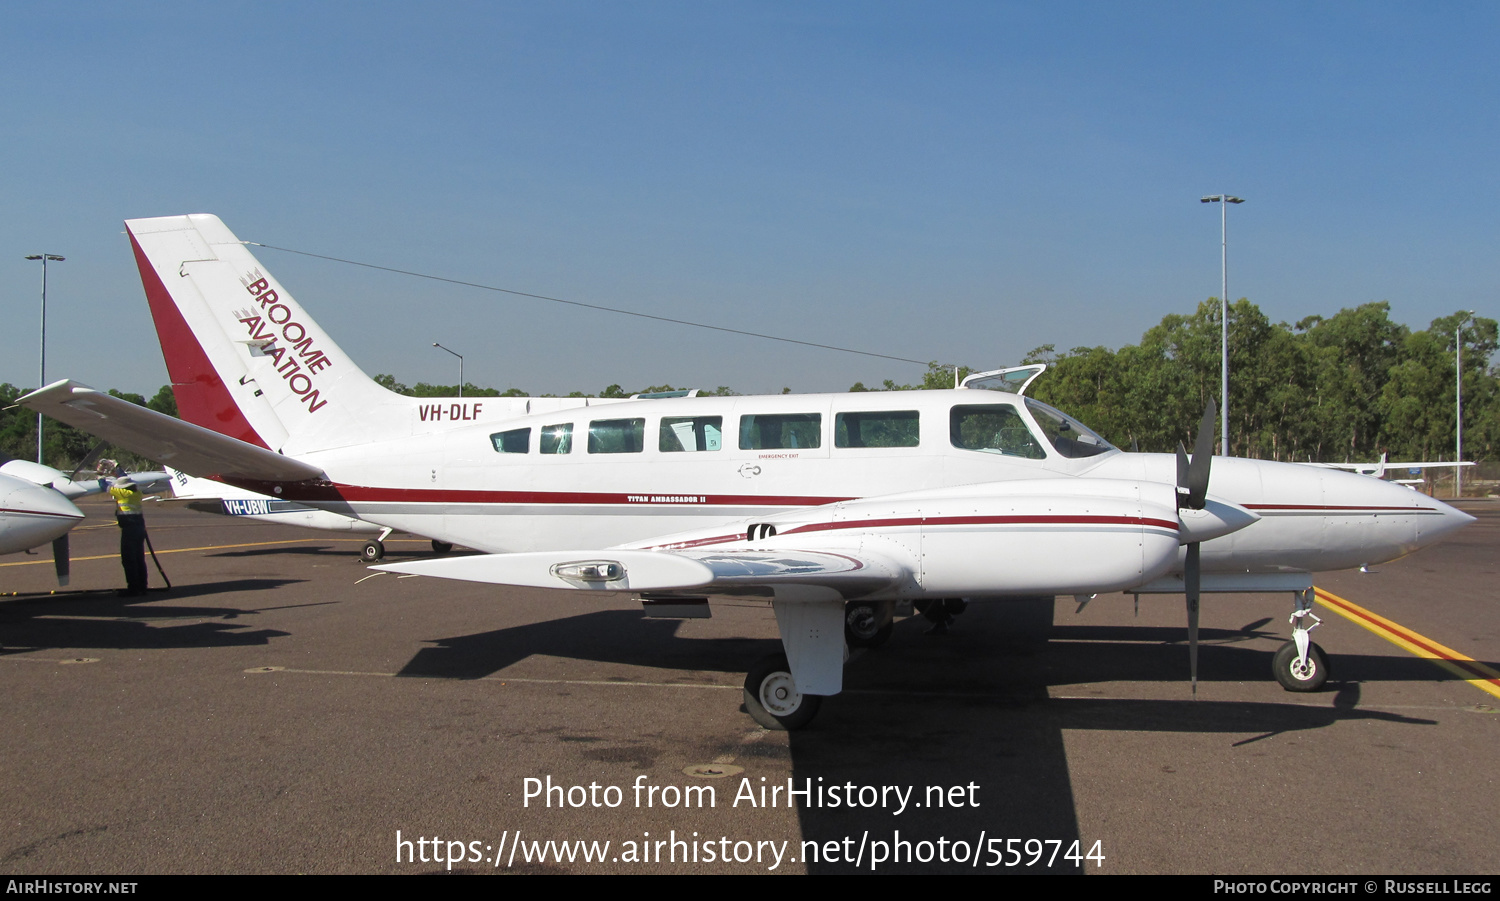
<point>993,429</point>
<point>1070,437</point>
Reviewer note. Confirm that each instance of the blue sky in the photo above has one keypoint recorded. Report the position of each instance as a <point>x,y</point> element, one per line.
<point>936,181</point>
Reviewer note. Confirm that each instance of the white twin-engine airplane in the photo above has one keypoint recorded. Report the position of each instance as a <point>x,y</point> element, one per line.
<point>833,506</point>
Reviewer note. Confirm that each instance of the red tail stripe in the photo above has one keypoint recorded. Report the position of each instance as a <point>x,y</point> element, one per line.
<point>202,398</point>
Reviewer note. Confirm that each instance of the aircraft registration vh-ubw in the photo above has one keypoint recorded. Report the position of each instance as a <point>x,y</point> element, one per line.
<point>834,507</point>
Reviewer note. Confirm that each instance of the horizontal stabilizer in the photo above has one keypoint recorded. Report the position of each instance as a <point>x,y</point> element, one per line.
<point>165,439</point>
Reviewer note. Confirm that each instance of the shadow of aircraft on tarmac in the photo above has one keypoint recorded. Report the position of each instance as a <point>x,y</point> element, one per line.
<point>967,709</point>
<point>100,619</point>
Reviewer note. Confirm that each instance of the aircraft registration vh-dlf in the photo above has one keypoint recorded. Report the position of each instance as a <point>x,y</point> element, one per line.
<point>834,507</point>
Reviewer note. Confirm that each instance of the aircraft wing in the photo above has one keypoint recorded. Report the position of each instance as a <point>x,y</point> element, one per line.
<point>163,438</point>
<point>1022,537</point>
<point>1379,469</point>
<point>787,573</point>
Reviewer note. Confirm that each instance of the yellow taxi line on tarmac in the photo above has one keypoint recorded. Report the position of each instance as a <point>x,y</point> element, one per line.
<point>183,550</point>
<point>1467,668</point>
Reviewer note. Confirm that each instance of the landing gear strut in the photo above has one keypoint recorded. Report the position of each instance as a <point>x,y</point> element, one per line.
<point>1299,665</point>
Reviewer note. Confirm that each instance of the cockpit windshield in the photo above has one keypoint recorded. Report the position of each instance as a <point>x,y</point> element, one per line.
<point>1067,435</point>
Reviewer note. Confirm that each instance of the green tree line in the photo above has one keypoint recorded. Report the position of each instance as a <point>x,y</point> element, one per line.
<point>64,447</point>
<point>1338,389</point>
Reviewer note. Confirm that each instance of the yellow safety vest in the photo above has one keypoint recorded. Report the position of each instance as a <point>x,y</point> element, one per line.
<point>127,499</point>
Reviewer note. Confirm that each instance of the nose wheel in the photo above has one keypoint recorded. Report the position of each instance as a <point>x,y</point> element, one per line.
<point>772,698</point>
<point>1299,665</point>
<point>1296,673</point>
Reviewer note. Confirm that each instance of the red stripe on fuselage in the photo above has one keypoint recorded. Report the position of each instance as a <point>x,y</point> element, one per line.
<point>18,512</point>
<point>1037,519</point>
<point>935,521</point>
<point>306,491</point>
<point>1333,508</point>
<point>202,398</point>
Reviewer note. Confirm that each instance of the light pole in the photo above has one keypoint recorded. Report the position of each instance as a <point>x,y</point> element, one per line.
<point>1458,394</point>
<point>460,366</point>
<point>1226,200</point>
<point>42,369</point>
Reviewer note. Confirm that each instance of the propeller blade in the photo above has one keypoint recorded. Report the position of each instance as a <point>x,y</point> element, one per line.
<point>1203,454</point>
<point>60,559</point>
<point>1191,583</point>
<point>89,459</point>
<point>1182,476</point>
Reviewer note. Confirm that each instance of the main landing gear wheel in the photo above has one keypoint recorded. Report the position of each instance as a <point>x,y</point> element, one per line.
<point>441,547</point>
<point>863,628</point>
<point>372,551</point>
<point>1296,677</point>
<point>772,698</point>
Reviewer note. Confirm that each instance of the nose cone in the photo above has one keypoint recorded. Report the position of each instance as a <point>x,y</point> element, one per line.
<point>1394,505</point>
<point>31,515</point>
<point>1451,521</point>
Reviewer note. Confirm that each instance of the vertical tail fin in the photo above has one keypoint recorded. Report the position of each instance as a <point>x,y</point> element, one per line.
<point>245,359</point>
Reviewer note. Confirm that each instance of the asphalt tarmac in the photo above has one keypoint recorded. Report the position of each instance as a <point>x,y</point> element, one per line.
<point>279,711</point>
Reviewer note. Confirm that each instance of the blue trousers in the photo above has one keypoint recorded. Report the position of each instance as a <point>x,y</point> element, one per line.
<point>133,549</point>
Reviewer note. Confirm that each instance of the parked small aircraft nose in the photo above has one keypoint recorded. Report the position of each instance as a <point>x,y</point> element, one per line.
<point>1453,520</point>
<point>31,515</point>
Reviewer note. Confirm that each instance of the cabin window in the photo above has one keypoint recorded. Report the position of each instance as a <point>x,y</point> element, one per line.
<point>691,433</point>
<point>557,439</point>
<point>515,441</point>
<point>781,430</point>
<point>993,429</point>
<point>617,436</point>
<point>899,428</point>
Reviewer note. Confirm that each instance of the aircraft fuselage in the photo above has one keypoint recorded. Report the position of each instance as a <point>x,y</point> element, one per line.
<point>492,487</point>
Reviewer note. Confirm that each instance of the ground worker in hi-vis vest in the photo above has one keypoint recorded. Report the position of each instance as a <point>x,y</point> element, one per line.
<point>132,522</point>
